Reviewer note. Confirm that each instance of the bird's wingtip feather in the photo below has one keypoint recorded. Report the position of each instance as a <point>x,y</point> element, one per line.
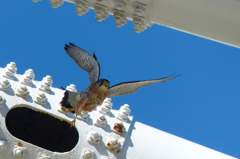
<point>66,47</point>
<point>94,56</point>
<point>71,44</point>
<point>177,75</point>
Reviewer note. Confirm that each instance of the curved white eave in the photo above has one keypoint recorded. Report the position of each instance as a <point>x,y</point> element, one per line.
<point>147,142</point>
<point>217,20</point>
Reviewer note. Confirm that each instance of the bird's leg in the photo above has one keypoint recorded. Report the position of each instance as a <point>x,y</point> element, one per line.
<point>80,103</point>
<point>73,122</point>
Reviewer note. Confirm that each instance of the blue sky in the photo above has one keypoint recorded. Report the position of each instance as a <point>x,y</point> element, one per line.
<point>202,105</point>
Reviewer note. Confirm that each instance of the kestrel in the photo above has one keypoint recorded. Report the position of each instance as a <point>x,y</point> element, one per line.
<point>99,89</point>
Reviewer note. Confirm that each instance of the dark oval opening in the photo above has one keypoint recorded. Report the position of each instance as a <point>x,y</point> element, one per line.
<point>41,129</point>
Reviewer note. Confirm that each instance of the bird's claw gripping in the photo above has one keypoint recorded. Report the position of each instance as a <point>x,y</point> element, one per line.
<point>72,122</point>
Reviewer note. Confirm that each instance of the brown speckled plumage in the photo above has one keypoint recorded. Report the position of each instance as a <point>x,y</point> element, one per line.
<point>90,98</point>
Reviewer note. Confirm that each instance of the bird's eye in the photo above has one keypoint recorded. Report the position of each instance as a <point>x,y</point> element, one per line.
<point>106,85</point>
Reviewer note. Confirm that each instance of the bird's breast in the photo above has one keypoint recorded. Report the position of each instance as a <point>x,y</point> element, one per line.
<point>97,94</point>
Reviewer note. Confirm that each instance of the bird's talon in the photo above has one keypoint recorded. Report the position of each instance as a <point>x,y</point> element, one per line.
<point>71,109</point>
<point>72,123</point>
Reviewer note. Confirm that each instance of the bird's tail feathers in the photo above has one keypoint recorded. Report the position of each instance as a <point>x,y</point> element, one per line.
<point>64,101</point>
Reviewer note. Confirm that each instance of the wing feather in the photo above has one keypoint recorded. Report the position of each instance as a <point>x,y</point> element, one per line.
<point>131,87</point>
<point>69,98</point>
<point>85,61</point>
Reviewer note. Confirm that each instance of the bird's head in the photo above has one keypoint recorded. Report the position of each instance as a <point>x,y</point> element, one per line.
<point>102,83</point>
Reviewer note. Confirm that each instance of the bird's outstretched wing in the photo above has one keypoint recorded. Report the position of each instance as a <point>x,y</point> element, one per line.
<point>131,87</point>
<point>84,60</point>
<point>69,99</point>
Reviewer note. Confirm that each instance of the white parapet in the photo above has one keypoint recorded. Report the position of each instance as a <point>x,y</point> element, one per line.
<point>113,135</point>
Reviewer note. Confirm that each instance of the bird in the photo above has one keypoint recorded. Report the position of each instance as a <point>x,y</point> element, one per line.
<point>99,89</point>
